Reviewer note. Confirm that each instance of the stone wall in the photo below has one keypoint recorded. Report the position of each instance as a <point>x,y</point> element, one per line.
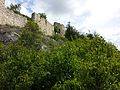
<point>60,27</point>
<point>2,3</point>
<point>8,17</point>
<point>46,27</point>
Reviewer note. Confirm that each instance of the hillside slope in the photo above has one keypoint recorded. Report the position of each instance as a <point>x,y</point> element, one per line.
<point>81,64</point>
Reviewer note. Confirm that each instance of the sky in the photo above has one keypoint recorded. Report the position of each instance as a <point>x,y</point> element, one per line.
<point>100,16</point>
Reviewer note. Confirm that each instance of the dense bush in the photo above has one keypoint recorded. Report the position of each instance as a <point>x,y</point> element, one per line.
<point>71,33</point>
<point>58,37</point>
<point>20,67</point>
<point>31,36</point>
<point>83,64</point>
<point>93,65</point>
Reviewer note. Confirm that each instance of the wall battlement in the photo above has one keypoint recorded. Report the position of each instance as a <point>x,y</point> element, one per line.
<point>8,17</point>
<point>46,27</point>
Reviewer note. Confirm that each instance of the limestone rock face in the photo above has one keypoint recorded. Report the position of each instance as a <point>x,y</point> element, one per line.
<point>9,34</point>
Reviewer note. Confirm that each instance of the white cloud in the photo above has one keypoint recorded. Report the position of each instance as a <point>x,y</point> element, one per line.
<point>8,2</point>
<point>25,11</point>
<point>103,14</point>
<point>102,11</point>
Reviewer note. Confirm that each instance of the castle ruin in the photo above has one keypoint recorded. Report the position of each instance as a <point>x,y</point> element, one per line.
<point>8,17</point>
<point>60,28</point>
<point>46,27</point>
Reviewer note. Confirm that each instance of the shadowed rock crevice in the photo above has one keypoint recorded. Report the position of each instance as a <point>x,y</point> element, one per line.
<point>9,34</point>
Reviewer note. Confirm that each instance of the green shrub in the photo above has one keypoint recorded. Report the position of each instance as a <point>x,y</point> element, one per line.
<point>43,15</point>
<point>32,26</point>
<point>72,34</point>
<point>58,37</point>
<point>1,45</point>
<point>21,68</point>
<point>31,36</point>
<point>82,64</point>
<point>15,8</point>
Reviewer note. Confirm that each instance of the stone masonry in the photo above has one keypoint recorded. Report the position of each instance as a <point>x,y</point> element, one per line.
<point>2,3</point>
<point>8,17</point>
<point>46,27</point>
<point>60,27</point>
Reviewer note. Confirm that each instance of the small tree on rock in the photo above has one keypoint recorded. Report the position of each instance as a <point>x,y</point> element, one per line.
<point>16,8</point>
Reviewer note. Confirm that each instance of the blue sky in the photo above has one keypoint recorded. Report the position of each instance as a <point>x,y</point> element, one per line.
<point>101,16</point>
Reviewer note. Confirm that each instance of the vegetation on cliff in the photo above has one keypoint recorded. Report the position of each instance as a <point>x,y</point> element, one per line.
<point>16,8</point>
<point>77,62</point>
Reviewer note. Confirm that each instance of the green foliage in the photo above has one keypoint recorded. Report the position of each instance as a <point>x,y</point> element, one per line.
<point>32,26</point>
<point>20,68</point>
<point>1,45</point>
<point>43,15</point>
<point>58,37</point>
<point>89,63</point>
<point>31,36</point>
<point>71,33</point>
<point>92,65</point>
<point>92,36</point>
<point>67,85</point>
<point>16,8</point>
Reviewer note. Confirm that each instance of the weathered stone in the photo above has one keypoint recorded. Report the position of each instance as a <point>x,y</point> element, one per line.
<point>45,27</point>
<point>9,36</point>
<point>8,33</point>
<point>8,17</point>
<point>60,27</point>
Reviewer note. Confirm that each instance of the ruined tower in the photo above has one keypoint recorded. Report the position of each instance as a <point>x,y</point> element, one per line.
<point>45,27</point>
<point>60,27</point>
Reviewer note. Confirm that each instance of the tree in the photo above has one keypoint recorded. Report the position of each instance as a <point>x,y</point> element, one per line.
<point>43,15</point>
<point>16,8</point>
<point>71,33</point>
